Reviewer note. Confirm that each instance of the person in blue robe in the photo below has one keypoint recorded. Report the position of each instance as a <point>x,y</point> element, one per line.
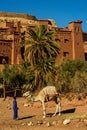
<point>15,109</point>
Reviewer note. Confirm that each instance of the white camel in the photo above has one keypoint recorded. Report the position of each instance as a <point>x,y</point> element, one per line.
<point>46,94</point>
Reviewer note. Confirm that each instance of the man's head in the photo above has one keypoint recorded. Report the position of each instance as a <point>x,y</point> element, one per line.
<point>14,97</point>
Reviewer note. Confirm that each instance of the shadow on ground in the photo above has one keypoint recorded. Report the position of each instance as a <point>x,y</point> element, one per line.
<point>27,117</point>
<point>68,111</point>
<point>72,110</point>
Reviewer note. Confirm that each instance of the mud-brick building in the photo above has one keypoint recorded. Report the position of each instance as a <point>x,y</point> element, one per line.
<point>9,42</point>
<point>13,28</point>
<point>71,41</point>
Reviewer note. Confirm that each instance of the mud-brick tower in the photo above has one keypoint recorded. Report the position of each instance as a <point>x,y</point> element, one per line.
<point>77,40</point>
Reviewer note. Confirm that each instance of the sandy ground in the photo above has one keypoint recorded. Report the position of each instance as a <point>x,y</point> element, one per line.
<point>30,117</point>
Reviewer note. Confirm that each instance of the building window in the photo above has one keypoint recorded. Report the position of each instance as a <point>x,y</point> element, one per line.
<point>66,40</point>
<point>85,54</point>
<point>57,40</point>
<point>65,54</point>
<point>4,60</point>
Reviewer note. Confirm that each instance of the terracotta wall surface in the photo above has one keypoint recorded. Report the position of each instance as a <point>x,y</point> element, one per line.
<point>13,28</point>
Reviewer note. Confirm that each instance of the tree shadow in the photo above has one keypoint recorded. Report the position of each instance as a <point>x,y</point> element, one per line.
<point>27,117</point>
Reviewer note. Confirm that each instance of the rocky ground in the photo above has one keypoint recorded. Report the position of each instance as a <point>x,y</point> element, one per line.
<point>74,115</point>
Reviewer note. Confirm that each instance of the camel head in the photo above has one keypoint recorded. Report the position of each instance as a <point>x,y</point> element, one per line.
<point>27,95</point>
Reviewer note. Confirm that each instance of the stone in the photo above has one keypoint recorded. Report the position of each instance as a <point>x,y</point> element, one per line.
<point>66,121</point>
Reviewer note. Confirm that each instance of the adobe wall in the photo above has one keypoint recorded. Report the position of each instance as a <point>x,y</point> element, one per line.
<point>77,39</point>
<point>9,42</point>
<point>26,16</point>
<point>13,29</point>
<point>64,40</point>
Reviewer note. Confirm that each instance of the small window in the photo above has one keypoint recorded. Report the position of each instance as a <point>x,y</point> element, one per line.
<point>57,40</point>
<point>66,40</point>
<point>65,54</point>
<point>85,54</point>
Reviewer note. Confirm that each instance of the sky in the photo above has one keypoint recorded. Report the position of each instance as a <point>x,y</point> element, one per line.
<point>61,11</point>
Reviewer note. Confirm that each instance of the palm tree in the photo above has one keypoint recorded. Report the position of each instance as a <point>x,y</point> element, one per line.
<point>41,51</point>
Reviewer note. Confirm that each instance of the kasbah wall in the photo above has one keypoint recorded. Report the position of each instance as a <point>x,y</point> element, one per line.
<point>13,27</point>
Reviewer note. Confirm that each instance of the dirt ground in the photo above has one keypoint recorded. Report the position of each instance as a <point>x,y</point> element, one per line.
<point>30,117</point>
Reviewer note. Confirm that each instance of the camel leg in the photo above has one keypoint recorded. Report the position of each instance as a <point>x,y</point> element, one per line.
<point>58,107</point>
<point>56,110</point>
<point>44,110</point>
